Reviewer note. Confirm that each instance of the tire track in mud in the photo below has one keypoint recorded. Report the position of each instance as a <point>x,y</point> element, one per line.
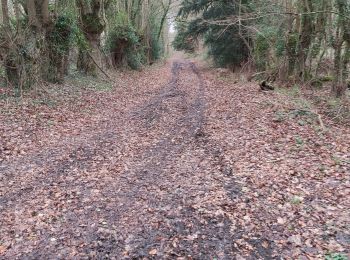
<point>62,170</point>
<point>158,212</point>
<point>161,198</point>
<point>176,192</point>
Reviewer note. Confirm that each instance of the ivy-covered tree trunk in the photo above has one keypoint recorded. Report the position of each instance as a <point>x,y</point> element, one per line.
<point>305,38</point>
<point>57,48</point>
<point>42,59</point>
<point>92,26</point>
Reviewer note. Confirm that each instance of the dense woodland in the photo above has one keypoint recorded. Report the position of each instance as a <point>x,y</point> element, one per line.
<point>295,41</point>
<point>39,36</point>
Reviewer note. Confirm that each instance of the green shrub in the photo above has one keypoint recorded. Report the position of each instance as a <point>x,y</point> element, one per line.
<point>122,34</point>
<point>326,78</point>
<point>184,41</point>
<point>336,256</point>
<point>135,60</point>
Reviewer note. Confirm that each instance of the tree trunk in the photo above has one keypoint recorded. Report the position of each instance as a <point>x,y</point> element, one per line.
<point>162,21</point>
<point>88,58</point>
<point>341,61</point>
<point>338,87</point>
<point>57,48</point>
<point>65,67</point>
<point>291,45</point>
<point>10,55</point>
<point>305,39</point>
<point>92,25</point>
<point>37,62</point>
<point>346,61</point>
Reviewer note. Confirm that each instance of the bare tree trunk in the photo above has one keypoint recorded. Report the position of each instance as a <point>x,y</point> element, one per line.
<point>346,61</point>
<point>290,39</point>
<point>162,21</point>
<point>338,87</point>
<point>341,61</point>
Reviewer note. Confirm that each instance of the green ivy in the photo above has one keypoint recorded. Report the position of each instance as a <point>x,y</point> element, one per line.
<point>183,41</point>
<point>61,35</point>
<point>122,30</point>
<point>336,256</point>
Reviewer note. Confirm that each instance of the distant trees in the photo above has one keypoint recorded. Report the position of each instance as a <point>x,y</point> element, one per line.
<point>37,36</point>
<point>292,40</point>
<point>205,19</point>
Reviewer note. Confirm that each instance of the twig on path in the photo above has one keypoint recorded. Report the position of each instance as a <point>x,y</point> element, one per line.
<point>319,119</point>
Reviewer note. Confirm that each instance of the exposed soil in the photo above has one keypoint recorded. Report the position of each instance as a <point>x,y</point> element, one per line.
<point>188,169</point>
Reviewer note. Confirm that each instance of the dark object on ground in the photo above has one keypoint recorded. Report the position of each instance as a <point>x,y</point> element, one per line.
<point>265,87</point>
<point>316,83</point>
<point>348,85</point>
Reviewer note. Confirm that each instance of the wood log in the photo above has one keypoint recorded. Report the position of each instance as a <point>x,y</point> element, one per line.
<point>265,86</point>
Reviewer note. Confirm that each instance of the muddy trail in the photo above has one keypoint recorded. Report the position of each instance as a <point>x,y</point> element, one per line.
<point>176,162</point>
<point>125,191</point>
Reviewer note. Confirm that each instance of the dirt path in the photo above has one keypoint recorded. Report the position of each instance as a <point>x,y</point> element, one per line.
<point>134,193</point>
<point>189,169</point>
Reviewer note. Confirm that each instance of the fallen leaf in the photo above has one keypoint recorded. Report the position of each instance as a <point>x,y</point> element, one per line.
<point>295,239</point>
<point>2,250</point>
<point>153,252</point>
